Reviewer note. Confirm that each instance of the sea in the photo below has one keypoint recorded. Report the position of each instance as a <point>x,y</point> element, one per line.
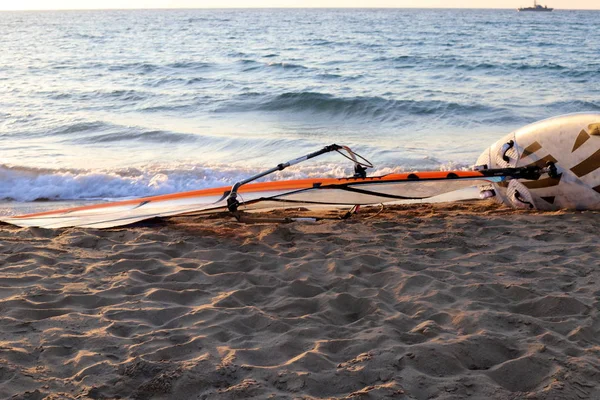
<point>104,105</point>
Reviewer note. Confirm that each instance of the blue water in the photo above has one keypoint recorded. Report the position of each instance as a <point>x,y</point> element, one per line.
<point>111,104</point>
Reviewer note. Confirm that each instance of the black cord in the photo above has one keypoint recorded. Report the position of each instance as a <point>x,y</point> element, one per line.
<point>366,162</point>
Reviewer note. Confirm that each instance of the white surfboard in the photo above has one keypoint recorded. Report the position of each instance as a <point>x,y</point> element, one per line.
<point>572,143</point>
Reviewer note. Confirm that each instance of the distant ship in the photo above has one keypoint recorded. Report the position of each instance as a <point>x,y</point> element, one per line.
<point>536,7</point>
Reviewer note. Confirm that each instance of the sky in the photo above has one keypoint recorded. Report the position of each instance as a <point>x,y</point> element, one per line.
<point>120,4</point>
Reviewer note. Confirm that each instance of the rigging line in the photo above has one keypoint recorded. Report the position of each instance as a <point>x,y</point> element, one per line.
<point>278,200</point>
<point>376,214</point>
<point>377,181</point>
<point>353,157</point>
<point>349,187</point>
<point>378,194</point>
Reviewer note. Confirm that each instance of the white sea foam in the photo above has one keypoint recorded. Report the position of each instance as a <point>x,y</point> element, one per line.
<point>31,184</point>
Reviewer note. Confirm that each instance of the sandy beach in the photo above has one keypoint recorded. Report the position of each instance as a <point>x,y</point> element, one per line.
<point>470,300</point>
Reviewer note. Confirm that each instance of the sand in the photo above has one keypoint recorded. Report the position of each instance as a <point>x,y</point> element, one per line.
<point>469,300</point>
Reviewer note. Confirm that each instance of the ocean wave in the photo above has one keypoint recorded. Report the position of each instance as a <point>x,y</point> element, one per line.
<point>60,96</point>
<point>122,95</point>
<point>565,107</point>
<point>85,36</point>
<point>144,67</point>
<point>69,65</point>
<point>98,132</point>
<point>373,108</point>
<point>165,107</point>
<point>250,65</point>
<point>432,62</point>
<point>329,76</point>
<point>207,19</point>
<point>321,42</point>
<point>128,95</point>
<point>171,81</point>
<point>580,73</point>
<point>80,127</point>
<point>537,67</point>
<point>485,66</point>
<point>253,65</point>
<point>31,184</point>
<point>190,65</point>
<point>285,65</point>
<point>155,136</point>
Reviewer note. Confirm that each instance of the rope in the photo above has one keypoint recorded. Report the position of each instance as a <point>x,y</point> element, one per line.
<point>353,156</point>
<point>378,212</point>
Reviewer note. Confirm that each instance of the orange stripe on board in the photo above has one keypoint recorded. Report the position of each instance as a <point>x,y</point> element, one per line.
<point>267,187</point>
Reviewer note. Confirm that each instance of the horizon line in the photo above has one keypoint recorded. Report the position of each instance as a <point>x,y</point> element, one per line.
<point>279,8</point>
<point>282,8</point>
